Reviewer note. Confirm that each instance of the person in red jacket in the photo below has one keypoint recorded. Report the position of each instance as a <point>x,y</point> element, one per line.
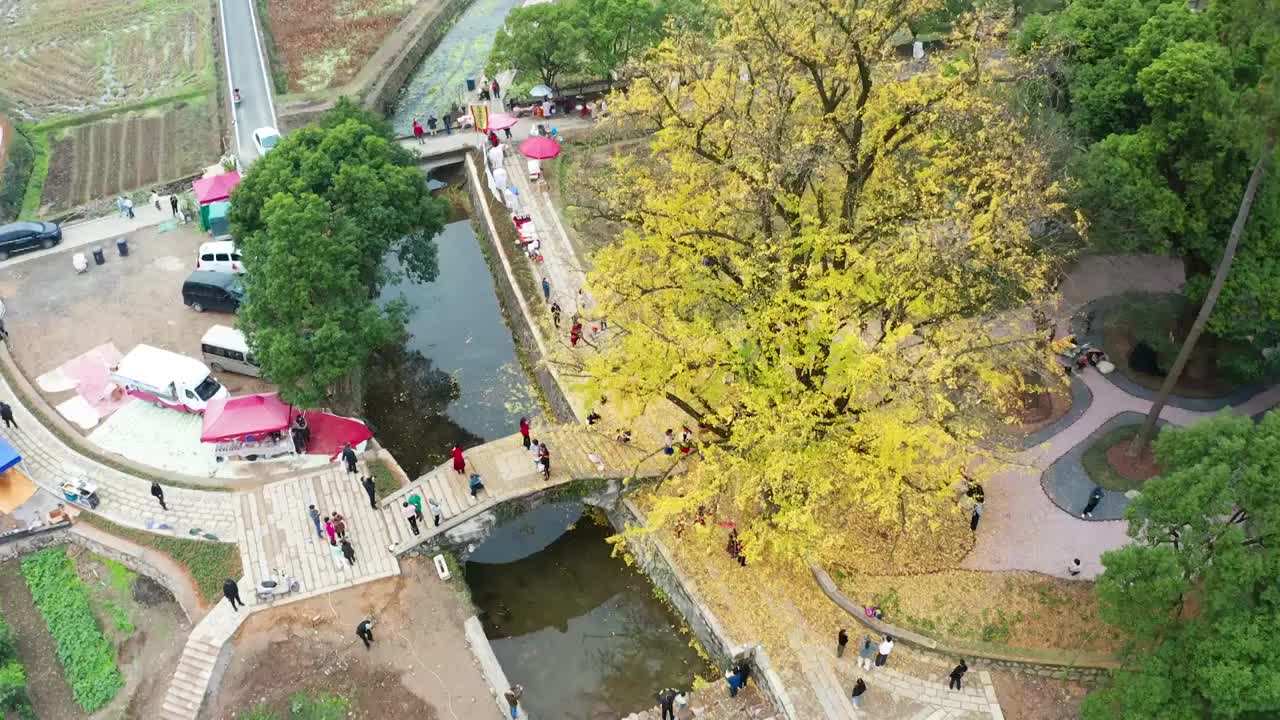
<point>524,432</point>
<point>459,463</point>
<point>418,132</point>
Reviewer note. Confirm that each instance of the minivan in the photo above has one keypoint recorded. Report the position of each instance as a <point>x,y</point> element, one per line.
<point>225,349</point>
<point>205,290</point>
<point>221,256</point>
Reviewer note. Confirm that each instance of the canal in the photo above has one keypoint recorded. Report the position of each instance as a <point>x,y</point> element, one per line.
<point>586,636</point>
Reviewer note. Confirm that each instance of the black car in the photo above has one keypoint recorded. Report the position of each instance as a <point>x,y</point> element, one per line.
<point>207,290</point>
<point>20,236</point>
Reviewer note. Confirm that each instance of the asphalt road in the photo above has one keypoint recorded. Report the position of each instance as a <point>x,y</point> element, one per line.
<point>246,69</point>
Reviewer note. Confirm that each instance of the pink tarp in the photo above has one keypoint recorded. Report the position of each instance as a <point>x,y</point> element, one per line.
<point>216,188</point>
<point>230,418</point>
<point>500,121</point>
<point>330,433</point>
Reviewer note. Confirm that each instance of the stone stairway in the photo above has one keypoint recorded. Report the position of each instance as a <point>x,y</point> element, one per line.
<point>509,471</point>
<point>714,703</point>
<point>195,667</point>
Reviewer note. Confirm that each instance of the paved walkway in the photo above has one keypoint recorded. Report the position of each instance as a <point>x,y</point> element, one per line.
<point>100,231</point>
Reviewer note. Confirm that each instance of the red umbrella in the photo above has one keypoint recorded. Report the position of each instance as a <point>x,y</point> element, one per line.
<point>501,121</point>
<point>540,148</point>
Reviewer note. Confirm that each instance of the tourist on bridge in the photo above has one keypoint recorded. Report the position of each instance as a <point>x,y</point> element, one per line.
<point>348,552</point>
<point>349,455</point>
<point>372,490</point>
<point>434,507</point>
<point>431,124</point>
<point>459,462</point>
<point>494,87</point>
<point>339,524</point>
<point>476,484</point>
<point>524,432</point>
<point>315,520</point>
<point>667,699</point>
<point>231,592</point>
<point>512,695</point>
<point>544,459</point>
<point>416,501</point>
<point>330,530</point>
<point>155,200</point>
<point>419,132</point>
<point>411,515</point>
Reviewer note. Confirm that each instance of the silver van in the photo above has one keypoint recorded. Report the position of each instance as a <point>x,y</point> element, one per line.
<point>224,349</point>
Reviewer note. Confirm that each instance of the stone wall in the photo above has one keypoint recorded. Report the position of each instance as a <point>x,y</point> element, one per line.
<point>1087,667</point>
<point>655,560</point>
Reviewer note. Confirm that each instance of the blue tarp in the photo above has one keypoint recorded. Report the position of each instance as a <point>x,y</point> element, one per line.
<point>8,456</point>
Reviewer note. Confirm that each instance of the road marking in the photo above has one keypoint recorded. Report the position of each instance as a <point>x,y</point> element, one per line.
<point>226,56</point>
<point>262,61</point>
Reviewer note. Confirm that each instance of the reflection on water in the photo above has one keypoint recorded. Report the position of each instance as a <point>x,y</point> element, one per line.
<point>457,378</point>
<point>583,633</point>
<point>440,80</point>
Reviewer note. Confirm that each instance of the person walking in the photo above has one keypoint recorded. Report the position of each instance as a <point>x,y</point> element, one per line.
<point>157,492</point>
<point>976,517</point>
<point>524,432</point>
<point>173,204</point>
<point>842,639</point>
<point>348,551</point>
<point>882,653</point>
<point>364,631</point>
<point>667,701</point>
<point>546,289</point>
<point>476,484</point>
<point>418,132</point>
<point>507,132</point>
<point>859,688</point>
<point>315,520</point>
<point>448,124</point>
<point>411,516</point>
<point>459,462</point>
<point>6,414</point>
<point>120,206</point>
<point>371,489</point>
<point>544,459</point>
<point>128,207</point>
<point>349,457</point>
<point>735,682</point>
<point>494,88</point>
<point>512,696</point>
<point>155,200</point>
<point>432,122</point>
<point>668,442</point>
<point>575,332</point>
<point>339,524</point>
<point>434,507</point>
<point>866,653</point>
<point>1095,497</point>
<point>957,675</point>
<point>555,313</point>
<point>231,592</point>
<point>330,531</point>
<point>416,501</point>
<point>493,139</point>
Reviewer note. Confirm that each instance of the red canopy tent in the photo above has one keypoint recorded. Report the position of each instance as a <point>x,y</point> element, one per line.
<point>238,417</point>
<point>215,188</point>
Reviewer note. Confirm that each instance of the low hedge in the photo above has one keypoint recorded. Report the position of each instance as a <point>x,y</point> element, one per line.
<point>88,658</point>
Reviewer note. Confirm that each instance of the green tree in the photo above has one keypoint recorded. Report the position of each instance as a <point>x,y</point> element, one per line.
<point>1165,100</point>
<point>815,246</point>
<point>1198,590</point>
<point>615,32</point>
<point>316,218</point>
<point>544,40</point>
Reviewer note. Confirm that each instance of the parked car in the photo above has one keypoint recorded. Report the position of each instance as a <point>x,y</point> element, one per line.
<point>21,236</point>
<point>220,291</point>
<point>221,256</point>
<point>265,138</point>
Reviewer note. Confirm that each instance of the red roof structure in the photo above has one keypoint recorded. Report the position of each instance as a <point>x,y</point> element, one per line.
<point>215,188</point>
<point>232,418</point>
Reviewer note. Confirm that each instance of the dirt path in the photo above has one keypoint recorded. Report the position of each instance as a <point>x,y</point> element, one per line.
<point>419,666</point>
<point>46,684</point>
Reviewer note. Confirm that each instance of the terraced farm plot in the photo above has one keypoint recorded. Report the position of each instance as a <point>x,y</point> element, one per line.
<point>129,152</point>
<point>324,43</point>
<point>73,56</point>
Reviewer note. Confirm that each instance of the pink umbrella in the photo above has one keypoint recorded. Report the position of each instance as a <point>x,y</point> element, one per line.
<point>501,121</point>
<point>540,148</point>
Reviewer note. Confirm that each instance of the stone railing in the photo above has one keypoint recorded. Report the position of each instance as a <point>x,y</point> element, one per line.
<point>1063,664</point>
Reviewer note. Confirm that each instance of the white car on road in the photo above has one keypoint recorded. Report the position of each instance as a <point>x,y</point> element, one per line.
<point>265,138</point>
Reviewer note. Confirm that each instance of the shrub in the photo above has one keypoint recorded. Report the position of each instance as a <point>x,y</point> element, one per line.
<point>17,170</point>
<point>318,706</point>
<point>88,658</point>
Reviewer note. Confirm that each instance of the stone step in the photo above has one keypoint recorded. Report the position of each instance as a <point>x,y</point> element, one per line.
<point>177,712</point>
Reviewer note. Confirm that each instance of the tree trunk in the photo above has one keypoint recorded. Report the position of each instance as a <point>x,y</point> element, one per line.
<point>1143,438</point>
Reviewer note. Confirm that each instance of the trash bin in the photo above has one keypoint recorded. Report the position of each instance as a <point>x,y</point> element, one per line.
<point>99,258</point>
<point>471,84</point>
<point>122,246</point>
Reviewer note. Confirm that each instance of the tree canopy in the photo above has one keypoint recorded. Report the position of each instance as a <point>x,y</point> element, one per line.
<point>315,219</point>
<point>1198,591</point>
<point>815,247</point>
<point>1172,106</point>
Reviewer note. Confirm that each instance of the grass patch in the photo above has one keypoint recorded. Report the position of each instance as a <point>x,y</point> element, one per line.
<point>119,618</point>
<point>208,563</point>
<point>39,171</point>
<point>1099,469</point>
<point>87,657</point>
<point>17,171</point>
<point>59,122</point>
<point>304,706</point>
<point>120,577</point>
<point>385,482</point>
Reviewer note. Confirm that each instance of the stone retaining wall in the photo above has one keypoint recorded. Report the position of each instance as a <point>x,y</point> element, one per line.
<point>1066,665</point>
<point>653,558</point>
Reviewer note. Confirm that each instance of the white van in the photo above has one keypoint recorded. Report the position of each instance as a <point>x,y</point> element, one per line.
<point>220,256</point>
<point>167,379</point>
<point>225,349</point>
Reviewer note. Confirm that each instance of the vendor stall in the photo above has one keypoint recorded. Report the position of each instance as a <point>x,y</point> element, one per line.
<point>250,427</point>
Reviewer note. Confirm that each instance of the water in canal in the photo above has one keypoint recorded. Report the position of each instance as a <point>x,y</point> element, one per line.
<point>457,378</point>
<point>441,79</point>
<point>583,633</point>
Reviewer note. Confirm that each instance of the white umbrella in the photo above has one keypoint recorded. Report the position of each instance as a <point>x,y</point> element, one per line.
<point>541,91</point>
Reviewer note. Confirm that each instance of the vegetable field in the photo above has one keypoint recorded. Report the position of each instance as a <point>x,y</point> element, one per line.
<point>323,43</point>
<point>129,152</point>
<point>73,56</point>
<point>88,658</point>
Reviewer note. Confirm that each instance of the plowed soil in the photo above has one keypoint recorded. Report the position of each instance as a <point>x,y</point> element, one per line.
<point>324,43</point>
